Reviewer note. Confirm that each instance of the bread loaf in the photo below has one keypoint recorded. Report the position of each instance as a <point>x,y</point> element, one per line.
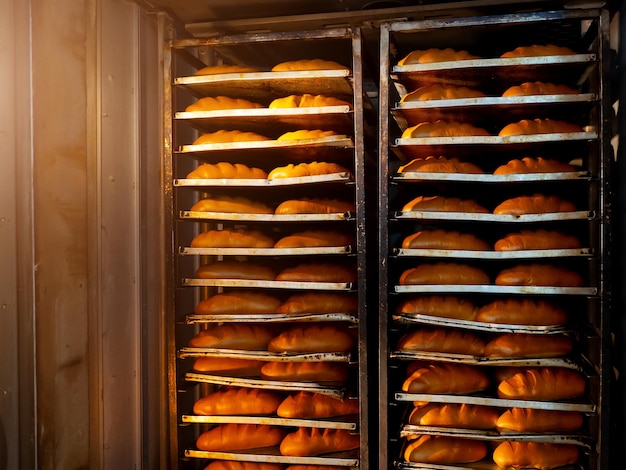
<point>246,336</point>
<point>306,405</point>
<point>315,238</point>
<point>317,272</point>
<point>314,467</point>
<point>442,341</point>
<point>444,204</point>
<point>305,371</point>
<point>236,205</point>
<point>307,101</point>
<point>539,88</point>
<point>322,302</point>
<point>544,384</point>
<point>537,240</point>
<point>439,306</point>
<point>522,312</point>
<point>533,165</point>
<point>435,55</point>
<point>228,366</point>
<point>231,436</point>
<point>313,339</point>
<point>443,129</point>
<point>444,450</point>
<point>306,169</point>
<point>446,378</point>
<point>538,275</point>
<point>535,204</point>
<point>528,345</point>
<point>226,170</point>
<point>238,302</point>
<point>315,441</point>
<point>539,126</point>
<point>212,103</point>
<point>444,273</point>
<point>235,270</point>
<point>305,134</point>
<point>528,420</point>
<point>235,465</point>
<point>308,64</point>
<point>444,240</point>
<point>224,136</point>
<point>454,415</point>
<point>238,401</point>
<point>314,206</point>
<point>227,238</point>
<point>543,456</point>
<point>538,50</point>
<point>441,92</point>
<point>225,68</point>
<point>440,165</point>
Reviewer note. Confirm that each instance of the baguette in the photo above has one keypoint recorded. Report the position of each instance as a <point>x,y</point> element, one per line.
<point>539,88</point>
<point>443,204</point>
<point>232,239</point>
<point>314,467</point>
<point>238,401</point>
<point>212,103</point>
<point>307,101</point>
<point>317,272</point>
<point>231,436</point>
<point>235,270</point>
<point>305,405</point>
<point>444,273</point>
<point>225,170</point>
<point>439,306</point>
<point>237,205</point>
<point>228,366</point>
<point>314,206</point>
<point>538,275</point>
<point>444,240</point>
<point>248,337</point>
<point>315,238</point>
<point>435,55</point>
<point>535,204</point>
<point>306,169</point>
<point>238,302</point>
<point>544,384</point>
<point>522,312</point>
<point>305,371</point>
<point>442,341</point>
<point>533,165</point>
<point>312,339</point>
<point>454,415</point>
<point>543,456</point>
<point>225,68</point>
<point>527,345</point>
<point>441,92</point>
<point>440,165</point>
<point>308,64</point>
<point>526,420</point>
<point>226,137</point>
<point>315,441</point>
<point>443,129</point>
<point>323,302</point>
<point>306,134</point>
<point>446,378</point>
<point>235,465</point>
<point>537,240</point>
<point>538,50</point>
<point>444,450</point>
<point>539,126</point>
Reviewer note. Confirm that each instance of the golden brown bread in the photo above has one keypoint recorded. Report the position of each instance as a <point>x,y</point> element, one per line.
<point>238,302</point>
<point>444,240</point>
<point>312,339</point>
<point>315,238</point>
<point>314,467</point>
<point>533,165</point>
<point>316,405</point>
<point>444,450</point>
<point>227,238</point>
<point>231,436</point>
<point>535,204</point>
<point>443,129</point>
<point>537,240</point>
<point>527,345</point>
<point>439,306</point>
<point>314,206</point>
<point>322,302</point>
<point>441,92</point>
<point>235,270</point>
<point>539,88</point>
<point>237,205</point>
<point>308,64</point>
<point>307,101</point>
<point>440,165</point>
<point>539,421</point>
<point>539,126</point>
<point>442,341</point>
<point>226,170</point>
<point>538,50</point>
<point>317,272</point>
<point>538,275</point>
<point>435,55</point>
<point>224,136</point>
<point>249,337</point>
<point>444,273</point>
<point>305,371</point>
<point>304,134</point>
<point>454,415</point>
<point>444,204</point>
<point>235,465</point>
<point>543,456</point>
<point>446,378</point>
<point>211,103</point>
<point>316,441</point>
<point>228,366</point>
<point>238,401</point>
<point>544,384</point>
<point>225,68</point>
<point>521,312</point>
<point>307,169</point>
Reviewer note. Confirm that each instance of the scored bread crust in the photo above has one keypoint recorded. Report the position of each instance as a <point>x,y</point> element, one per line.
<point>323,302</point>
<point>433,54</point>
<point>308,64</point>
<point>539,88</point>
<point>448,306</point>
<point>444,204</point>
<point>316,441</point>
<point>539,421</point>
<point>233,367</point>
<point>534,204</point>
<point>446,378</point>
<point>227,136</point>
<point>307,100</point>
<point>544,456</point>
<point>227,238</point>
<point>238,302</point>
<point>305,371</point>
<point>455,415</point>
<point>226,170</point>
<point>539,126</point>
<point>441,92</point>
<point>238,401</point>
<point>442,341</point>
<point>440,165</point>
<point>316,405</point>
<point>537,50</point>
<point>312,339</point>
<point>317,272</point>
<point>235,270</point>
<point>543,384</point>
<point>528,345</point>
<point>314,206</point>
<point>237,205</point>
<point>533,165</point>
<point>444,450</point>
<point>248,337</point>
<point>443,129</point>
<point>214,103</point>
<point>304,134</point>
<point>315,238</point>
<point>445,274</point>
<point>537,240</point>
<point>234,436</point>
<point>538,275</point>
<point>306,169</point>
<point>438,239</point>
<point>225,68</point>
<point>522,312</point>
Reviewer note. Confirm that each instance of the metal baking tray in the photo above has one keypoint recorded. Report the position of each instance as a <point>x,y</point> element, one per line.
<point>272,455</point>
<point>337,423</point>
<point>337,286</point>
<point>421,319</point>
<point>325,250</point>
<point>260,182</point>
<point>342,150</point>
<point>441,215</point>
<point>493,289</point>
<point>197,215</point>
<point>482,465</point>
<point>496,139</point>
<point>272,318</point>
<point>573,252</point>
<point>266,86</point>
<point>325,389</point>
<point>335,141</point>
<point>409,176</point>
<point>188,352</point>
